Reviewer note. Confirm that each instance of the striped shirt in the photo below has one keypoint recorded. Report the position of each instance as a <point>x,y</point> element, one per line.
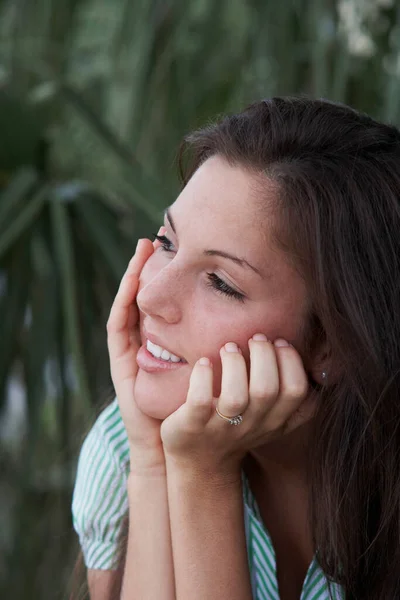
<point>100,508</point>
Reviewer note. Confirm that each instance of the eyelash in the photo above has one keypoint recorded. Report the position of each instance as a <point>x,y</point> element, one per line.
<point>215,282</point>
<point>166,244</point>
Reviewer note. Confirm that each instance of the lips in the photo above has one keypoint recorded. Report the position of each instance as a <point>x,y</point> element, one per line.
<point>159,342</point>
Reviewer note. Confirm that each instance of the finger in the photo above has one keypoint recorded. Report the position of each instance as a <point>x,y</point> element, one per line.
<point>119,334</point>
<point>293,382</point>
<point>199,405</point>
<point>234,396</point>
<point>264,375</point>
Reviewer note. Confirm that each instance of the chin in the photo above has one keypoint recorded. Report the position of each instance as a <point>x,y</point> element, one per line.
<point>156,399</point>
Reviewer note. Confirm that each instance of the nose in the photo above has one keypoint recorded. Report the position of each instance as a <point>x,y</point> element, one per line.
<point>162,294</point>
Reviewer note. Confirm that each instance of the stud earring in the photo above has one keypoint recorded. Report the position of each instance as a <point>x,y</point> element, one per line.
<point>324,375</point>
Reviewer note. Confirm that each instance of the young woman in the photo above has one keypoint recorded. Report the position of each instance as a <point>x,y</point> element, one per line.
<point>254,445</point>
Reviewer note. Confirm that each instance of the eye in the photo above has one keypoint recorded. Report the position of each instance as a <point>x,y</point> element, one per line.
<point>214,281</point>
<point>166,244</point>
<point>218,284</point>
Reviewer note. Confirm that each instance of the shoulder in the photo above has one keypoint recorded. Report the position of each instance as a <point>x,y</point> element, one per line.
<point>100,503</point>
<point>107,439</point>
<point>104,456</point>
<point>109,432</point>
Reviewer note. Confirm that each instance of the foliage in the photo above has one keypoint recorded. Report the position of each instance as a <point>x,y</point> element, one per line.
<point>95,96</point>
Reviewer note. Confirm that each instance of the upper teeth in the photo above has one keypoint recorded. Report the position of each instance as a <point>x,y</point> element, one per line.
<point>159,352</point>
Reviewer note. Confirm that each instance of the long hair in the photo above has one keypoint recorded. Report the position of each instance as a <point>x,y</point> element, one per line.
<point>337,173</point>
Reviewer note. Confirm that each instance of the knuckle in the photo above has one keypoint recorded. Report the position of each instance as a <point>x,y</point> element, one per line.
<point>234,405</point>
<point>277,421</point>
<point>296,389</point>
<point>259,392</point>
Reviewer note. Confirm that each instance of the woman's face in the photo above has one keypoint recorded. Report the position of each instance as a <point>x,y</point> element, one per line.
<point>218,280</point>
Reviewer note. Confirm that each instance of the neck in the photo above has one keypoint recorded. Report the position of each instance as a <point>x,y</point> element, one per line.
<point>283,462</point>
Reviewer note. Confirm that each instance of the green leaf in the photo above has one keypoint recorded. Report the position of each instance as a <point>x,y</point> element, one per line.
<point>14,195</point>
<point>143,187</point>
<point>391,111</point>
<point>21,132</point>
<point>13,304</point>
<point>102,227</point>
<point>39,345</point>
<point>23,220</point>
<point>66,264</point>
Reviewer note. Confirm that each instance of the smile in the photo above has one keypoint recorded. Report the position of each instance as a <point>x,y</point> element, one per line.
<point>162,353</point>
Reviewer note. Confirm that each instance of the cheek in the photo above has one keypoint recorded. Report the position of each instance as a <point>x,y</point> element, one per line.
<point>234,325</point>
<point>214,331</point>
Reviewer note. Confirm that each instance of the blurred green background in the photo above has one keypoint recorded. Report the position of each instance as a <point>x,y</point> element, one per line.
<point>95,96</point>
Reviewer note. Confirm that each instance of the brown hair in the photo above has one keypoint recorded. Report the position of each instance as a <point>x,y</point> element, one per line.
<point>338,176</point>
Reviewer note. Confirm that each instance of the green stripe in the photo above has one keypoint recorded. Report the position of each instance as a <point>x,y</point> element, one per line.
<point>116,435</point>
<point>308,583</point>
<point>266,576</point>
<point>113,419</point>
<point>124,442</point>
<point>109,411</point>
<point>101,464</point>
<point>86,475</point>
<point>106,454</point>
<point>94,484</point>
<point>263,557</point>
<point>119,518</point>
<point>105,560</point>
<point>92,450</point>
<point>316,593</point>
<point>125,456</point>
<point>108,507</point>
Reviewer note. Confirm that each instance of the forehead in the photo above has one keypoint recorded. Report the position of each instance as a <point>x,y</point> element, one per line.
<point>222,198</point>
<point>231,209</point>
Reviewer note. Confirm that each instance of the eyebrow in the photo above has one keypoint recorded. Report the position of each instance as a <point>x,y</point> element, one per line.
<point>239,261</point>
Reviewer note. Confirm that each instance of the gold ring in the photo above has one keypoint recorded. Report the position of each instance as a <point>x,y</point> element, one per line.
<point>231,420</point>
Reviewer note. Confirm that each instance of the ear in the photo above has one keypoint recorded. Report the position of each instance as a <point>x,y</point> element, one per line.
<point>323,368</point>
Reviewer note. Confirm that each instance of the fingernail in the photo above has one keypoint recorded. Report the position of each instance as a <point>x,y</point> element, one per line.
<point>281,343</point>
<point>231,347</point>
<point>259,337</point>
<point>205,361</point>
<point>138,242</point>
